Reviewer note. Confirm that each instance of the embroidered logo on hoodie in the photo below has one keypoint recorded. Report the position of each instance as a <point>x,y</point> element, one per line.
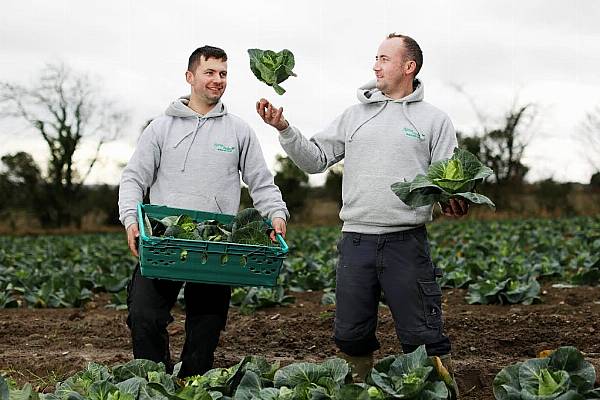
<point>411,133</point>
<point>223,148</point>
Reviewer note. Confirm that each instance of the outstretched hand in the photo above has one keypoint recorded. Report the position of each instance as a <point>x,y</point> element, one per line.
<point>455,208</point>
<point>271,115</point>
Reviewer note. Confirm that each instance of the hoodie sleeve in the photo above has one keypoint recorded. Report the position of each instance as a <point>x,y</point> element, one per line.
<point>320,152</point>
<point>443,141</point>
<point>138,175</point>
<point>255,173</point>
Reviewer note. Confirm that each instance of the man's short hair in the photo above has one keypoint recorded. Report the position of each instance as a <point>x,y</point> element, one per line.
<point>413,51</point>
<point>206,52</point>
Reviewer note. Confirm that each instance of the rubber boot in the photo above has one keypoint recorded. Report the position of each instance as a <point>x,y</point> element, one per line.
<point>361,365</point>
<point>445,369</point>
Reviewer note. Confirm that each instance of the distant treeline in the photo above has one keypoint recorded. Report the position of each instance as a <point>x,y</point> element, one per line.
<point>28,203</point>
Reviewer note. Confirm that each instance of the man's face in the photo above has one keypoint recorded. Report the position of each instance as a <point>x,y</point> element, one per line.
<point>208,80</point>
<point>390,67</point>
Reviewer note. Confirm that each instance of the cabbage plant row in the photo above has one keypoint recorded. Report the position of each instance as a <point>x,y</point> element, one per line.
<point>410,376</point>
<point>562,374</point>
<point>497,262</point>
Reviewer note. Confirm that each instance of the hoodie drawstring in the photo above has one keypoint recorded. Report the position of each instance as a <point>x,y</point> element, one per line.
<point>201,122</point>
<point>367,120</point>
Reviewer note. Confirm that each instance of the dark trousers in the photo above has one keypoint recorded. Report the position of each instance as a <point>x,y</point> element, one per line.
<point>150,301</point>
<point>399,264</point>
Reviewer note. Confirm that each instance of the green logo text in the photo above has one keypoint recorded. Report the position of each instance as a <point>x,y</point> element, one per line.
<point>411,133</point>
<point>223,148</point>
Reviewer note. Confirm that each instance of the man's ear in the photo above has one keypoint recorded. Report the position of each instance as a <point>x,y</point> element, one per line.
<point>410,67</point>
<point>189,77</point>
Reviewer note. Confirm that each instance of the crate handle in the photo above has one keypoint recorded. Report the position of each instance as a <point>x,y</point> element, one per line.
<point>141,222</point>
<point>282,243</point>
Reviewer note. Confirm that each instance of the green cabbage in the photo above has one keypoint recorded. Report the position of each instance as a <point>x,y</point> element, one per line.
<point>564,375</point>
<point>272,68</point>
<point>247,227</point>
<point>446,179</point>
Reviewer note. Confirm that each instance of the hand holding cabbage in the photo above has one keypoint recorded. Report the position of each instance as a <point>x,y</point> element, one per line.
<point>454,178</point>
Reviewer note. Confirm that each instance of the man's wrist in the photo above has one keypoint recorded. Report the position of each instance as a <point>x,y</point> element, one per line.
<point>285,127</point>
<point>129,220</point>
<point>286,133</point>
<point>279,214</point>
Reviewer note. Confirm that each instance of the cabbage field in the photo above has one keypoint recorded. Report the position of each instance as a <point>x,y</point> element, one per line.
<point>511,289</point>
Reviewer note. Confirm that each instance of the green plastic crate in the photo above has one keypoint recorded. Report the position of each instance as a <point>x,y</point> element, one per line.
<point>204,261</point>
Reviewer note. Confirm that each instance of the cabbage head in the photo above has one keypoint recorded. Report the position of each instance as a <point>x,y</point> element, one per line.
<point>446,179</point>
<point>272,68</point>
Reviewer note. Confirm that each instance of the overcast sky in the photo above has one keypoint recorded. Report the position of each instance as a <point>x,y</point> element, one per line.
<point>542,52</point>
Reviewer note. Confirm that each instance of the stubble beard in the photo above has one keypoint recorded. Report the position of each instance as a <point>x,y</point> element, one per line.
<point>380,84</point>
<point>212,99</point>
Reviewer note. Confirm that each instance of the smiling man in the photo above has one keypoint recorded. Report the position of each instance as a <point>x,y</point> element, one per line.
<point>192,158</point>
<point>391,135</point>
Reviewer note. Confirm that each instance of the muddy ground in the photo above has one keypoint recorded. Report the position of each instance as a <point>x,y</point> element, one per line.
<point>44,346</point>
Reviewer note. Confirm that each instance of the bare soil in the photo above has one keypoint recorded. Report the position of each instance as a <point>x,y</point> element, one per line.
<point>43,346</point>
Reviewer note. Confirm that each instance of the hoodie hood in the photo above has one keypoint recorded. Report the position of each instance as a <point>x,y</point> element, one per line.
<point>368,93</point>
<point>179,108</point>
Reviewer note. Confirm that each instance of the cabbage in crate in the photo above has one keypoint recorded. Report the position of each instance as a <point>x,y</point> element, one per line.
<point>445,179</point>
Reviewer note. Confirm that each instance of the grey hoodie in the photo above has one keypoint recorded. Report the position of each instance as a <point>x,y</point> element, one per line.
<point>194,161</point>
<point>382,141</point>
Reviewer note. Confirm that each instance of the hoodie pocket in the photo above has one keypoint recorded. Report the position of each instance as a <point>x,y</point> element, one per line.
<point>369,200</point>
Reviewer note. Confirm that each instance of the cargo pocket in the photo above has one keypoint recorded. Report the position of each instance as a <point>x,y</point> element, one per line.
<point>432,303</point>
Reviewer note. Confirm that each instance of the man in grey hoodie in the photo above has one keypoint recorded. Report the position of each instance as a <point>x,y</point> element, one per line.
<point>390,136</point>
<point>192,158</point>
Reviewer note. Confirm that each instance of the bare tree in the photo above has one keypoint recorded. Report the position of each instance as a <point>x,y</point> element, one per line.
<point>589,135</point>
<point>501,145</point>
<point>65,108</point>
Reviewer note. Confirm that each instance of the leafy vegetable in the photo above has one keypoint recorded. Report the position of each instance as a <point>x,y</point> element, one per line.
<point>446,179</point>
<point>224,380</point>
<point>251,299</point>
<point>310,380</point>
<point>248,227</point>
<point>66,271</point>
<point>564,375</point>
<point>272,68</point>
<point>508,291</point>
<point>412,375</point>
